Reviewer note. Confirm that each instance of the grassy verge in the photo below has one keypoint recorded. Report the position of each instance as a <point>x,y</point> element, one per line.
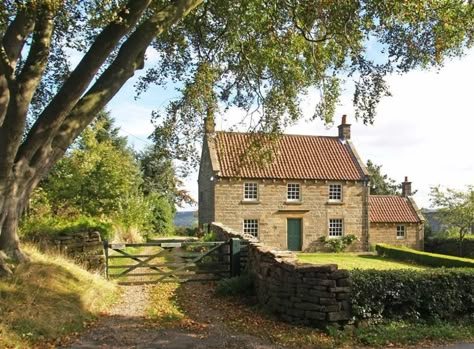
<point>355,261</point>
<point>403,333</point>
<point>47,299</point>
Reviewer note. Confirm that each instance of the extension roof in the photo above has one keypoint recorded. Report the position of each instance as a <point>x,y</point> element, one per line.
<point>294,157</point>
<point>393,209</point>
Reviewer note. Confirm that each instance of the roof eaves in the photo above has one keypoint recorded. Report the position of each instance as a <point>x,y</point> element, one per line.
<point>357,158</point>
<point>415,208</point>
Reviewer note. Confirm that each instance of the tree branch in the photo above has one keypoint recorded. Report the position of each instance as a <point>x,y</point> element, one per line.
<point>37,59</point>
<point>15,36</point>
<point>4,94</point>
<point>130,58</point>
<point>54,114</point>
<point>10,49</point>
<point>22,89</point>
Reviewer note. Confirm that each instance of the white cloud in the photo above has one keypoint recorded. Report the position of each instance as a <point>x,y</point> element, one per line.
<point>424,131</point>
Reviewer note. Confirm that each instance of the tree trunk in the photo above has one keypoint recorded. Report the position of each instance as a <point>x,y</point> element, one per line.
<point>23,162</point>
<point>12,203</point>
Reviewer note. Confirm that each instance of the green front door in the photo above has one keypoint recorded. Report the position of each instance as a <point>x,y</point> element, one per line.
<point>293,228</point>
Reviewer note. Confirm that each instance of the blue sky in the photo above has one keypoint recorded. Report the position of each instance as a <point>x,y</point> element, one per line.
<point>424,131</point>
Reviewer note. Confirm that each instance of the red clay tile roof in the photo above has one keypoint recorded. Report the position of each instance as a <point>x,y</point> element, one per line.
<point>296,157</point>
<point>391,209</point>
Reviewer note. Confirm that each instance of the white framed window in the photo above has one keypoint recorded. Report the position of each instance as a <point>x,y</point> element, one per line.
<point>293,192</point>
<point>335,192</point>
<point>251,227</point>
<point>400,232</point>
<point>250,191</point>
<point>336,227</point>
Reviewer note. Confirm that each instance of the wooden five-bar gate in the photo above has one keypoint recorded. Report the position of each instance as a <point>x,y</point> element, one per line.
<point>160,261</point>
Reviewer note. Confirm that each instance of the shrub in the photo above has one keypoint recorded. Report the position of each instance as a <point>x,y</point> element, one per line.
<point>242,285</point>
<point>410,294</point>
<point>338,245</point>
<point>38,227</point>
<point>424,258</point>
<point>450,246</point>
<point>210,236</point>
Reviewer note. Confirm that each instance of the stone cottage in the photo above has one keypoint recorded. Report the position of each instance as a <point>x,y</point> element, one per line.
<point>396,220</point>
<point>288,191</point>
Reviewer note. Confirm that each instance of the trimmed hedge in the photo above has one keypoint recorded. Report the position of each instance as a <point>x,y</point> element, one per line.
<point>423,258</point>
<point>410,294</point>
<point>450,246</point>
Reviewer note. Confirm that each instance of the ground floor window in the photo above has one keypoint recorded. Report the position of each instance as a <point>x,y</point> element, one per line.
<point>336,227</point>
<point>251,227</point>
<point>400,232</point>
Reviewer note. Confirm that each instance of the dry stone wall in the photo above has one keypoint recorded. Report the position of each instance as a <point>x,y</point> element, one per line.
<point>85,248</point>
<point>316,295</point>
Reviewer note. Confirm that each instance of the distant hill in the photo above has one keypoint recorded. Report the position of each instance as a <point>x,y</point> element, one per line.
<point>185,219</point>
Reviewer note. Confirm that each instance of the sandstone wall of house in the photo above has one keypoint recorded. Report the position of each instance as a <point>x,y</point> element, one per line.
<point>84,248</point>
<point>386,233</point>
<point>316,295</point>
<point>272,210</point>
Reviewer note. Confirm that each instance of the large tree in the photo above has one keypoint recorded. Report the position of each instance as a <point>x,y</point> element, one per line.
<point>254,54</point>
<point>381,184</point>
<point>455,209</point>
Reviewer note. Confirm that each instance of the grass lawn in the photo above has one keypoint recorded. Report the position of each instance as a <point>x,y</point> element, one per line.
<point>49,298</point>
<point>356,261</point>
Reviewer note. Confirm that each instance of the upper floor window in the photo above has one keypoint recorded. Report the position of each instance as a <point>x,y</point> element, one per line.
<point>336,227</point>
<point>335,192</point>
<point>293,192</point>
<point>251,227</point>
<point>250,191</point>
<point>400,232</point>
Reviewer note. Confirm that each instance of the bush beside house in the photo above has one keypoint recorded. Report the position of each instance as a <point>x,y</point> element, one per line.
<point>450,246</point>
<point>436,294</point>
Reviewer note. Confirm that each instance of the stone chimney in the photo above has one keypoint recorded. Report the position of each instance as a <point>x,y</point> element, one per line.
<point>344,129</point>
<point>209,124</point>
<point>406,188</point>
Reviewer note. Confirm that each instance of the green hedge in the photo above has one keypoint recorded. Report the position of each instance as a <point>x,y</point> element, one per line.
<point>44,227</point>
<point>450,246</point>
<point>410,294</point>
<point>423,258</point>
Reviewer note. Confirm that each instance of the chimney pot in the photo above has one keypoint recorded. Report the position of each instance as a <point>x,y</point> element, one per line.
<point>406,188</point>
<point>344,129</point>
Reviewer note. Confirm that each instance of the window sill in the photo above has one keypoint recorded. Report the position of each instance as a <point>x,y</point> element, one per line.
<point>293,202</point>
<point>337,203</point>
<point>250,202</point>
<point>401,238</point>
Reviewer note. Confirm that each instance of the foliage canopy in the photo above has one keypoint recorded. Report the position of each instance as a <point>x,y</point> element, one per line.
<point>455,209</point>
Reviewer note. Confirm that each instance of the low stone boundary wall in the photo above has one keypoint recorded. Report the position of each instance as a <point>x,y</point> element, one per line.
<point>85,248</point>
<point>317,295</point>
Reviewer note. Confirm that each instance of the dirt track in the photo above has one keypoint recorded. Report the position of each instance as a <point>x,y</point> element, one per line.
<point>127,326</point>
